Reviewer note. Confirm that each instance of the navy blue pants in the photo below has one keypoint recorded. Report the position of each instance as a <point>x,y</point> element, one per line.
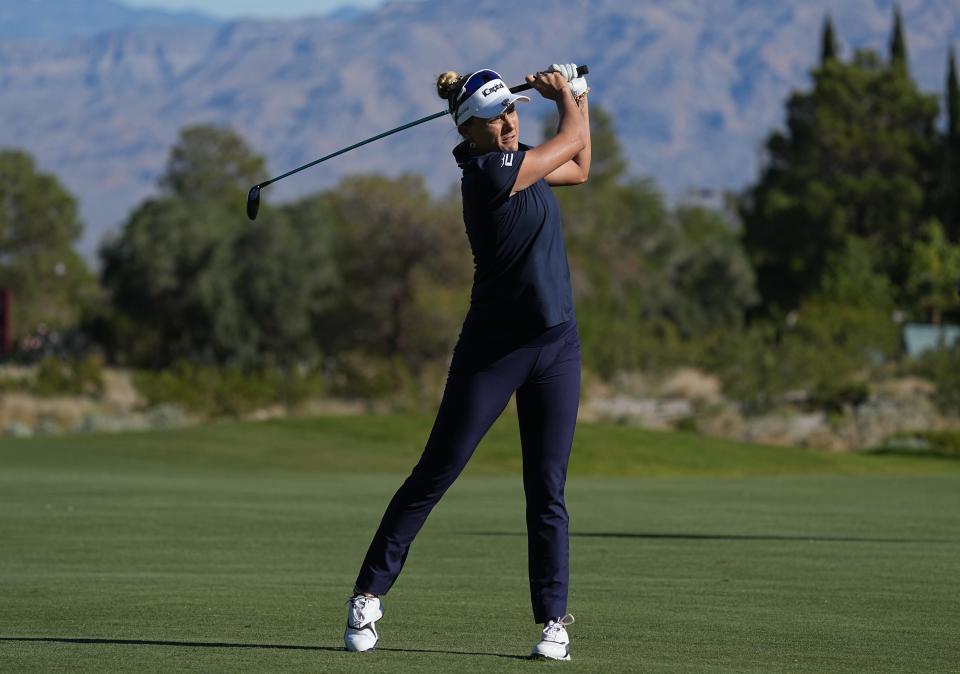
<point>545,374</point>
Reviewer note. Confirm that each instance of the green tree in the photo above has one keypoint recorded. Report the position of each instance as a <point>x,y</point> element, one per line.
<point>585,206</point>
<point>852,312</point>
<point>647,279</point>
<point>284,275</point>
<point>211,163</point>
<point>711,276</point>
<point>898,43</point>
<point>829,47</point>
<point>402,265</point>
<point>953,98</point>
<point>823,347</point>
<point>934,272</point>
<point>845,328</point>
<point>854,161</point>
<point>948,189</point>
<point>169,275</point>
<point>608,165</point>
<point>190,278</point>
<point>610,216</point>
<point>38,229</point>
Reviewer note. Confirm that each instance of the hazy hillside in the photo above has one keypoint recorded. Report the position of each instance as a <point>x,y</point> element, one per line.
<point>694,85</point>
<point>54,19</point>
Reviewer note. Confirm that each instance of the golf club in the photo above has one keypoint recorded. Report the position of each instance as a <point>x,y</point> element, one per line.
<point>253,197</point>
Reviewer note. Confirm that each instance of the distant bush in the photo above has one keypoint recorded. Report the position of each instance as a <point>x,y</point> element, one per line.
<point>822,357</point>
<point>836,395</point>
<point>227,391</point>
<point>748,364</point>
<point>389,381</point>
<point>630,344</point>
<point>942,367</point>
<point>68,376</point>
<point>934,443</point>
<point>821,351</point>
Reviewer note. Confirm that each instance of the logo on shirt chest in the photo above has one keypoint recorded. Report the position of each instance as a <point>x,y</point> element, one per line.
<point>506,160</point>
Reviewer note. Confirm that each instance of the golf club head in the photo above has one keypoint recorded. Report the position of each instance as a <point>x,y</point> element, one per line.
<point>253,202</point>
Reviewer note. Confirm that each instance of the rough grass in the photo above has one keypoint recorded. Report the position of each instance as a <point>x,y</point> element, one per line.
<point>391,445</point>
<point>232,548</point>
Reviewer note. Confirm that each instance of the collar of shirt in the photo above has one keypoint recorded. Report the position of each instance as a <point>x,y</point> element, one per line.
<point>462,152</point>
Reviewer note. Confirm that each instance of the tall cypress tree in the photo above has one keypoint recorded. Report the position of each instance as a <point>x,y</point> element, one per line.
<point>953,99</point>
<point>898,42</point>
<point>829,49</point>
<point>948,189</point>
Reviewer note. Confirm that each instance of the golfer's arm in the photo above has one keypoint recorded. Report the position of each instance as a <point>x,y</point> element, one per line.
<point>577,170</point>
<point>544,159</point>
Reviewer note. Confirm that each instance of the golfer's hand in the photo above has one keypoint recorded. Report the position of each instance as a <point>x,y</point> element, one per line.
<point>578,83</point>
<point>552,86</point>
<point>568,70</point>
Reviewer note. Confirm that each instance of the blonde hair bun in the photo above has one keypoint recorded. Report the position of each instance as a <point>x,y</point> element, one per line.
<point>447,84</point>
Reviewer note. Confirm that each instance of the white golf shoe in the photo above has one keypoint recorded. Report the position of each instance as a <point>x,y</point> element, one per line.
<point>554,640</point>
<point>361,633</point>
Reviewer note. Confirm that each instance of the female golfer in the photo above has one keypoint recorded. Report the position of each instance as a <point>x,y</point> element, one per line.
<point>519,336</point>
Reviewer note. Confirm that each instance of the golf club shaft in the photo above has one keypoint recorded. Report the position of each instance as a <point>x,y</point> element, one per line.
<point>355,146</point>
<point>582,70</point>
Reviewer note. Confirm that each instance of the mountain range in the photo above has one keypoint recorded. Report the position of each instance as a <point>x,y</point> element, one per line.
<point>694,86</point>
<point>58,19</point>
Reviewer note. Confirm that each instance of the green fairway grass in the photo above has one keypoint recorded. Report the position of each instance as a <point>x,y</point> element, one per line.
<point>233,548</point>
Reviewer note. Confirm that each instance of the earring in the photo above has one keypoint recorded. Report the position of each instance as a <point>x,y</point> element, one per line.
<point>472,144</point>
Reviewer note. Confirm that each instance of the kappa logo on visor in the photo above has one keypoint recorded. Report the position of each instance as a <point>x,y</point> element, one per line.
<point>489,90</point>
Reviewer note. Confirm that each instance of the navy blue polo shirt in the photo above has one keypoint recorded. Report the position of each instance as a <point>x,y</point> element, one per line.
<point>521,281</point>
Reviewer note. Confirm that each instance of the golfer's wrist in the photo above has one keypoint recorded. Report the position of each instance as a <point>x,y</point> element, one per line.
<point>566,100</point>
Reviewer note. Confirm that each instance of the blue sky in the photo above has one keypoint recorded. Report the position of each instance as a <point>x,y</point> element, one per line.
<point>268,8</point>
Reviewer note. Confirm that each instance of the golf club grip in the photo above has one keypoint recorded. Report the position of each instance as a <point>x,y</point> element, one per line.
<point>581,71</point>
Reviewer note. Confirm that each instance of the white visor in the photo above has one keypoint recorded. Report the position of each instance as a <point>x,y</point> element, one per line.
<point>491,96</point>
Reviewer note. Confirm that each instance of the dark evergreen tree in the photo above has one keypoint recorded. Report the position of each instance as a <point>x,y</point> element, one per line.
<point>953,99</point>
<point>948,189</point>
<point>829,48</point>
<point>898,42</point>
<point>854,161</point>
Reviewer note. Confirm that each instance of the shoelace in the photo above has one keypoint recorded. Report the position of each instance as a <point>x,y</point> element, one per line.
<point>551,630</point>
<point>357,605</point>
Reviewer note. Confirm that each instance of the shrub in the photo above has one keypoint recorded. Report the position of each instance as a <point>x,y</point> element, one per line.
<point>942,367</point>
<point>933,443</point>
<point>227,391</point>
<point>390,381</point>
<point>68,376</point>
<point>822,354</point>
<point>833,395</point>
